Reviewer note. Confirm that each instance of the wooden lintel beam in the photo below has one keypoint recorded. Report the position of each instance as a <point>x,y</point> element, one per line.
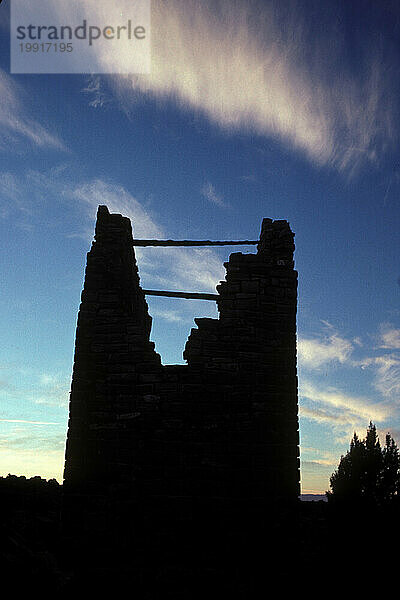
<point>193,243</point>
<point>185,295</point>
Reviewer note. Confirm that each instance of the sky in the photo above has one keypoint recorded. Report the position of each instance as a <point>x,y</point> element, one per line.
<point>252,109</point>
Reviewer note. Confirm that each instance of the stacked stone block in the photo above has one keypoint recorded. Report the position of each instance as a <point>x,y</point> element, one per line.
<point>160,450</point>
<point>114,367</point>
<point>246,360</point>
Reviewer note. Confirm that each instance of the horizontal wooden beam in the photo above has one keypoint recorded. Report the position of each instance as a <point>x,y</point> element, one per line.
<point>193,243</point>
<point>185,295</point>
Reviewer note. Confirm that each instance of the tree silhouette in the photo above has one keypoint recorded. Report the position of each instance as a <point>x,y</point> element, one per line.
<point>372,465</point>
<point>367,473</point>
<point>390,475</point>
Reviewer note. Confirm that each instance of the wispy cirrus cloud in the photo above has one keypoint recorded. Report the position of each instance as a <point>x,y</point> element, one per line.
<point>32,440</point>
<point>25,422</point>
<point>386,374</point>
<point>333,349</point>
<point>320,457</point>
<point>172,316</point>
<point>325,403</point>
<point>28,449</point>
<point>95,91</point>
<point>316,352</point>
<point>264,68</point>
<point>197,269</point>
<point>384,364</point>
<point>10,195</point>
<point>20,194</point>
<point>342,411</point>
<point>9,187</point>
<point>389,337</point>
<point>16,125</point>
<point>268,68</point>
<point>209,192</point>
<point>52,390</point>
<point>35,389</point>
<point>332,399</point>
<point>118,200</point>
<point>185,269</point>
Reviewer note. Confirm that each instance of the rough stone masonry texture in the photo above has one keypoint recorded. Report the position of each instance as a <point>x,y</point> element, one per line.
<point>167,442</point>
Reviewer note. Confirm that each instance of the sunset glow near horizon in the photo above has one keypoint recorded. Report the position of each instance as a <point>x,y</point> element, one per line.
<point>253,109</point>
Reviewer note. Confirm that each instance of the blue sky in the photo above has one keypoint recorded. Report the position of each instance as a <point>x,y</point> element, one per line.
<point>287,110</point>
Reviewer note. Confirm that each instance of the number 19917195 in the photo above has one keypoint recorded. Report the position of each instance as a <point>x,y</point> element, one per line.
<point>46,47</point>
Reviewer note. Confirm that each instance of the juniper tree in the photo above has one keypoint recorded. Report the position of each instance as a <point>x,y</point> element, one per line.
<point>390,474</point>
<point>367,472</point>
<point>373,465</point>
<point>347,480</point>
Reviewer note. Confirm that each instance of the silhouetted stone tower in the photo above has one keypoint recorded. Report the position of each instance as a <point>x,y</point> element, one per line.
<point>158,450</point>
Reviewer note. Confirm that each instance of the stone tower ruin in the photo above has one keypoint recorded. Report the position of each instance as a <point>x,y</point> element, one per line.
<point>161,449</point>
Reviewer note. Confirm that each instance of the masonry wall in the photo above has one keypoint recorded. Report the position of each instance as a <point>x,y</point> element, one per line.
<point>161,446</point>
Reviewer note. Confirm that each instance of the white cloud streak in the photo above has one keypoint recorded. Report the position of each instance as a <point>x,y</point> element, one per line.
<point>315,353</point>
<point>343,413</point>
<point>350,406</point>
<point>16,125</point>
<point>25,422</point>
<point>180,269</point>
<point>95,90</point>
<point>9,187</point>
<point>31,451</point>
<point>386,369</point>
<point>390,337</point>
<point>252,70</point>
<point>334,349</point>
<point>209,192</point>
<point>263,71</point>
<point>171,316</point>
